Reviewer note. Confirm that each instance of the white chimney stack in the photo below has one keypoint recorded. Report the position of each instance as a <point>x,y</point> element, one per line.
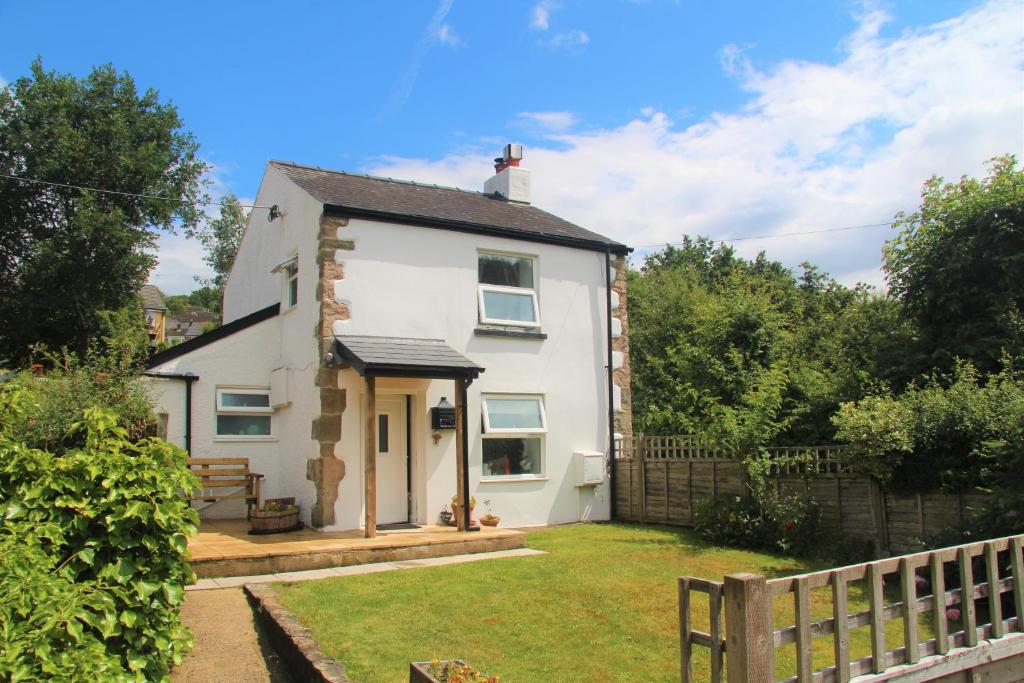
<point>509,181</point>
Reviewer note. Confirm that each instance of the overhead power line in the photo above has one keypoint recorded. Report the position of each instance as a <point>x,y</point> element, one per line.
<point>125,194</point>
<point>781,234</point>
<point>257,206</point>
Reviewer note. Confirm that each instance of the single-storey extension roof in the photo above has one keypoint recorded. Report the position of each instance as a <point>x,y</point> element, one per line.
<point>440,207</point>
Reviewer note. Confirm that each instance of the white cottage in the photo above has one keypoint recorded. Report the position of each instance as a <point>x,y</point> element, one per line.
<point>366,317</point>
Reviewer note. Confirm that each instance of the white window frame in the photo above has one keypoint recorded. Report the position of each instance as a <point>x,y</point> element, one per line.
<point>289,270</point>
<point>221,409</point>
<point>539,433</point>
<point>531,291</point>
<point>514,430</point>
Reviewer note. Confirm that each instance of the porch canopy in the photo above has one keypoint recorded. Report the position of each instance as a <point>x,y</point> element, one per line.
<point>374,357</point>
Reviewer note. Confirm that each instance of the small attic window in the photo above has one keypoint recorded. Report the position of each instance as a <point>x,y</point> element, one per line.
<point>290,271</point>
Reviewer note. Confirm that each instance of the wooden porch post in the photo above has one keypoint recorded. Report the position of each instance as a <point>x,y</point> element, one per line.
<point>462,519</point>
<point>370,467</point>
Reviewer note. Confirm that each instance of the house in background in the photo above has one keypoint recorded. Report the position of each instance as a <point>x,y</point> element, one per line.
<point>388,344</point>
<point>188,323</point>
<point>155,311</point>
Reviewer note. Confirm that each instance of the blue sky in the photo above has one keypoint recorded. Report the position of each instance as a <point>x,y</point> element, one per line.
<point>644,120</point>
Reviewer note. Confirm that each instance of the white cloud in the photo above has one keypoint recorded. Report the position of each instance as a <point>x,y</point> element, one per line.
<point>547,121</point>
<point>540,15</point>
<point>575,38</point>
<point>403,87</point>
<point>446,35</point>
<point>181,261</point>
<point>817,145</point>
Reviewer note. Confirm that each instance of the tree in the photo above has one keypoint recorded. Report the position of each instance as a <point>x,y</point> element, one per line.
<point>958,266</point>
<point>68,253</point>
<point>222,237</point>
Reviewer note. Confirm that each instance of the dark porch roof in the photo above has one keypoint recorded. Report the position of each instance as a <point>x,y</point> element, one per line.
<point>402,357</point>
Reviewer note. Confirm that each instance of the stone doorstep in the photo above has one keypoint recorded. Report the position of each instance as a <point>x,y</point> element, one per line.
<point>309,559</point>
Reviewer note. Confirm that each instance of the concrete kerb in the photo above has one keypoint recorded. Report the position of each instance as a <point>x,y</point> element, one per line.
<point>353,570</point>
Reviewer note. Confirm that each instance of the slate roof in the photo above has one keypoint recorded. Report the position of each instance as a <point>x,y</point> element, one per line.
<point>151,298</point>
<point>404,357</point>
<point>442,207</point>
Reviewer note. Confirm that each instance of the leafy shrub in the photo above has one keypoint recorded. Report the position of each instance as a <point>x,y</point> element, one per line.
<point>49,405</point>
<point>785,524</point>
<point>944,434</point>
<point>94,544</point>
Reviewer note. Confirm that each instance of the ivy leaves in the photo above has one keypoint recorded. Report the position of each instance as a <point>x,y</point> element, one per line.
<point>94,545</point>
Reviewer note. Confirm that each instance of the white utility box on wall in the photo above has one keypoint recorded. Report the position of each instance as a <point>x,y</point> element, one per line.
<point>589,468</point>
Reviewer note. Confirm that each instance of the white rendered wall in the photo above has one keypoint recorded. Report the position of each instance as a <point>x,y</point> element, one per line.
<point>410,281</point>
<point>244,359</point>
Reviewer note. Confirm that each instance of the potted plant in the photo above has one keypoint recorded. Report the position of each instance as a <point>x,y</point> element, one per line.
<point>450,671</point>
<point>446,516</point>
<point>455,508</point>
<point>489,519</point>
<point>276,516</point>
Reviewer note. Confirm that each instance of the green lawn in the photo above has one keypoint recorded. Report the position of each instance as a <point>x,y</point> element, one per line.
<point>601,606</point>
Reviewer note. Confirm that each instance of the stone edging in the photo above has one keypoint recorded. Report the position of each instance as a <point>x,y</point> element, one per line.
<point>293,641</point>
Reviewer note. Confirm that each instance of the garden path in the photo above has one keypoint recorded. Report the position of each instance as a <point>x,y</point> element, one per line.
<point>229,647</point>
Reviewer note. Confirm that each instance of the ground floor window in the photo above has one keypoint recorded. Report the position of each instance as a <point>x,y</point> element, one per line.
<point>512,456</point>
<point>243,412</point>
<point>513,439</point>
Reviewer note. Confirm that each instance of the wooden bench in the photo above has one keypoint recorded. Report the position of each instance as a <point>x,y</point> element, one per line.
<point>230,475</point>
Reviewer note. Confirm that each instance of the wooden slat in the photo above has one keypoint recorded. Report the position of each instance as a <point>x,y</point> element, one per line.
<point>217,461</point>
<point>967,613</point>
<point>703,585</point>
<point>856,572</point>
<point>804,650</point>
<point>825,627</point>
<point>876,602</point>
<point>995,601</point>
<point>939,623</point>
<point>241,495</point>
<point>1017,571</point>
<point>685,645</point>
<point>225,472</point>
<point>715,610</point>
<point>908,591</point>
<point>209,483</point>
<point>840,616</point>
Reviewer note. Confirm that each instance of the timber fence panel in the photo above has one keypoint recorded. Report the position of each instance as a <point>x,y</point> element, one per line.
<point>987,644</point>
<point>663,479</point>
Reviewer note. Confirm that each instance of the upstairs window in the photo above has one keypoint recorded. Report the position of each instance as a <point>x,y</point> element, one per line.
<point>507,290</point>
<point>243,412</point>
<point>290,272</point>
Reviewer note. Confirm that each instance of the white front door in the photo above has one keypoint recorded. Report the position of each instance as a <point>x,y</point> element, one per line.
<point>392,460</point>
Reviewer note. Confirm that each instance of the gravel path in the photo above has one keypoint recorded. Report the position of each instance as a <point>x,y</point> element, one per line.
<point>229,646</point>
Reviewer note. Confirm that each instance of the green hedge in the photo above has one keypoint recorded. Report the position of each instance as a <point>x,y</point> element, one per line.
<point>94,555</point>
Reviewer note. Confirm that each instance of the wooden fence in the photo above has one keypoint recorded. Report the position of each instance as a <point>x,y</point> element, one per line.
<point>662,480</point>
<point>988,645</point>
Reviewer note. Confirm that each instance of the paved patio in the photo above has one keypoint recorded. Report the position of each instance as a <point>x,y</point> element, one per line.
<point>225,548</point>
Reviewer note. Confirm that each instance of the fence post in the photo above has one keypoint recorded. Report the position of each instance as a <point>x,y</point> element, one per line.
<point>748,629</point>
<point>641,457</point>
